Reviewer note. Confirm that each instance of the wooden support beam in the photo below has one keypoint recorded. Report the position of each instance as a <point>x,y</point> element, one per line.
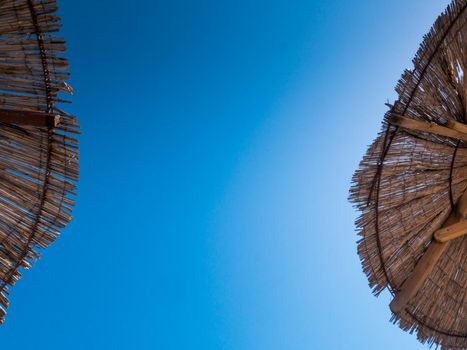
<point>418,276</point>
<point>451,232</point>
<point>427,262</point>
<point>421,126</point>
<point>461,127</point>
<point>29,118</point>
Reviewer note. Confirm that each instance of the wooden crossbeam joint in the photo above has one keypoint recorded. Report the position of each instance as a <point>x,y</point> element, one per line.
<point>29,118</point>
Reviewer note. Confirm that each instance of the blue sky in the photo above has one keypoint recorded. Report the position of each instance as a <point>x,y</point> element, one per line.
<point>219,139</point>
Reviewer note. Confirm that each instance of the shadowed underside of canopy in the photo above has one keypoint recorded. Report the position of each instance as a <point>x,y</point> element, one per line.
<point>38,155</point>
<point>409,184</point>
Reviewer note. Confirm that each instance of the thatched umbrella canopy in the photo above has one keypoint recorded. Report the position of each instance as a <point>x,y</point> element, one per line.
<point>38,157</point>
<point>411,191</point>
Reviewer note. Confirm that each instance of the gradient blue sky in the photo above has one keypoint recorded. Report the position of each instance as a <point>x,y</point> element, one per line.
<point>219,139</point>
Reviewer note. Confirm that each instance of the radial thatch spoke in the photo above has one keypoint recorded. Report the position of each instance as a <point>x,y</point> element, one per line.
<point>421,126</point>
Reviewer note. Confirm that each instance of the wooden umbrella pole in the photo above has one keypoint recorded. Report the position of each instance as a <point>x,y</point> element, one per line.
<point>427,262</point>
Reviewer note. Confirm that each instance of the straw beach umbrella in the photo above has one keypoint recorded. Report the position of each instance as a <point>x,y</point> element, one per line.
<point>38,155</point>
<point>411,190</point>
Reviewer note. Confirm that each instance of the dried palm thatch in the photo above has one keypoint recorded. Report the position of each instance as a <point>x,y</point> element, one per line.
<point>412,183</point>
<point>38,155</point>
